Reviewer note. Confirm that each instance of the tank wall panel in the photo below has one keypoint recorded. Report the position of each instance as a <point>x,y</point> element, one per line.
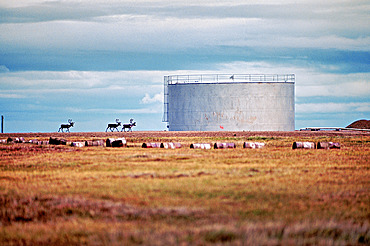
<point>233,106</point>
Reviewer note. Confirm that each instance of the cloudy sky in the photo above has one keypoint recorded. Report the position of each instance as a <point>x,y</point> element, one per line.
<point>95,61</point>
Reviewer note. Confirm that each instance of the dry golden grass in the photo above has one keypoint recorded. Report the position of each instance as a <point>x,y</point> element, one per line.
<point>62,195</point>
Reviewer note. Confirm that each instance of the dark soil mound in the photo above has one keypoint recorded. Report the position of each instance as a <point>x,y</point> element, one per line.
<point>361,124</point>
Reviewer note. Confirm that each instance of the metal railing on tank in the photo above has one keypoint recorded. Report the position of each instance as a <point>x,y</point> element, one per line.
<point>230,78</point>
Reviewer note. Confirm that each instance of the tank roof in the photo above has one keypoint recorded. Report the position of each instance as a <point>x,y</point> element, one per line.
<point>230,78</point>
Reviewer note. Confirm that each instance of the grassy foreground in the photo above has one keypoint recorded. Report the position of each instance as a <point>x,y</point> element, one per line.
<point>61,195</point>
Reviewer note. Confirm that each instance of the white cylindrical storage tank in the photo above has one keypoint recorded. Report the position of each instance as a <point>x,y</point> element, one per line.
<point>229,102</point>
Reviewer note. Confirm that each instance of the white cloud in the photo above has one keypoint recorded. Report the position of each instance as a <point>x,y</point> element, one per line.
<point>123,33</point>
<point>71,80</point>
<point>309,81</point>
<point>10,95</point>
<point>113,111</point>
<point>332,107</point>
<point>156,98</point>
<point>20,3</point>
<point>351,85</point>
<point>322,42</point>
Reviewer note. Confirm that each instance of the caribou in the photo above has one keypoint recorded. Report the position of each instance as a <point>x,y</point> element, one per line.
<point>113,126</point>
<point>128,126</point>
<point>66,126</point>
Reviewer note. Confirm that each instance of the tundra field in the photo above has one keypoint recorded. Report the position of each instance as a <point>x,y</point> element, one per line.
<point>63,195</point>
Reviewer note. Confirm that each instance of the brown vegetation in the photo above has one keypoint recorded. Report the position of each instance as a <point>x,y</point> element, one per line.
<point>360,124</point>
<point>64,195</point>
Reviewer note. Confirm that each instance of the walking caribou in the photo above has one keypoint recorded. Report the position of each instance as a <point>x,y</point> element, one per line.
<point>66,126</point>
<point>129,126</point>
<point>113,126</point>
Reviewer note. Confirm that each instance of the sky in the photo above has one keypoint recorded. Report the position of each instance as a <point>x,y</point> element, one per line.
<point>94,61</point>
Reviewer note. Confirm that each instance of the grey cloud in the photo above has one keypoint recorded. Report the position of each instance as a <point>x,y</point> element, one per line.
<point>86,35</point>
<point>301,19</point>
<point>50,11</point>
<point>147,24</point>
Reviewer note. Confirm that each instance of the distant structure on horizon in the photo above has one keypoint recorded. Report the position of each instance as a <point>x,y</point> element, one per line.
<point>231,102</point>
